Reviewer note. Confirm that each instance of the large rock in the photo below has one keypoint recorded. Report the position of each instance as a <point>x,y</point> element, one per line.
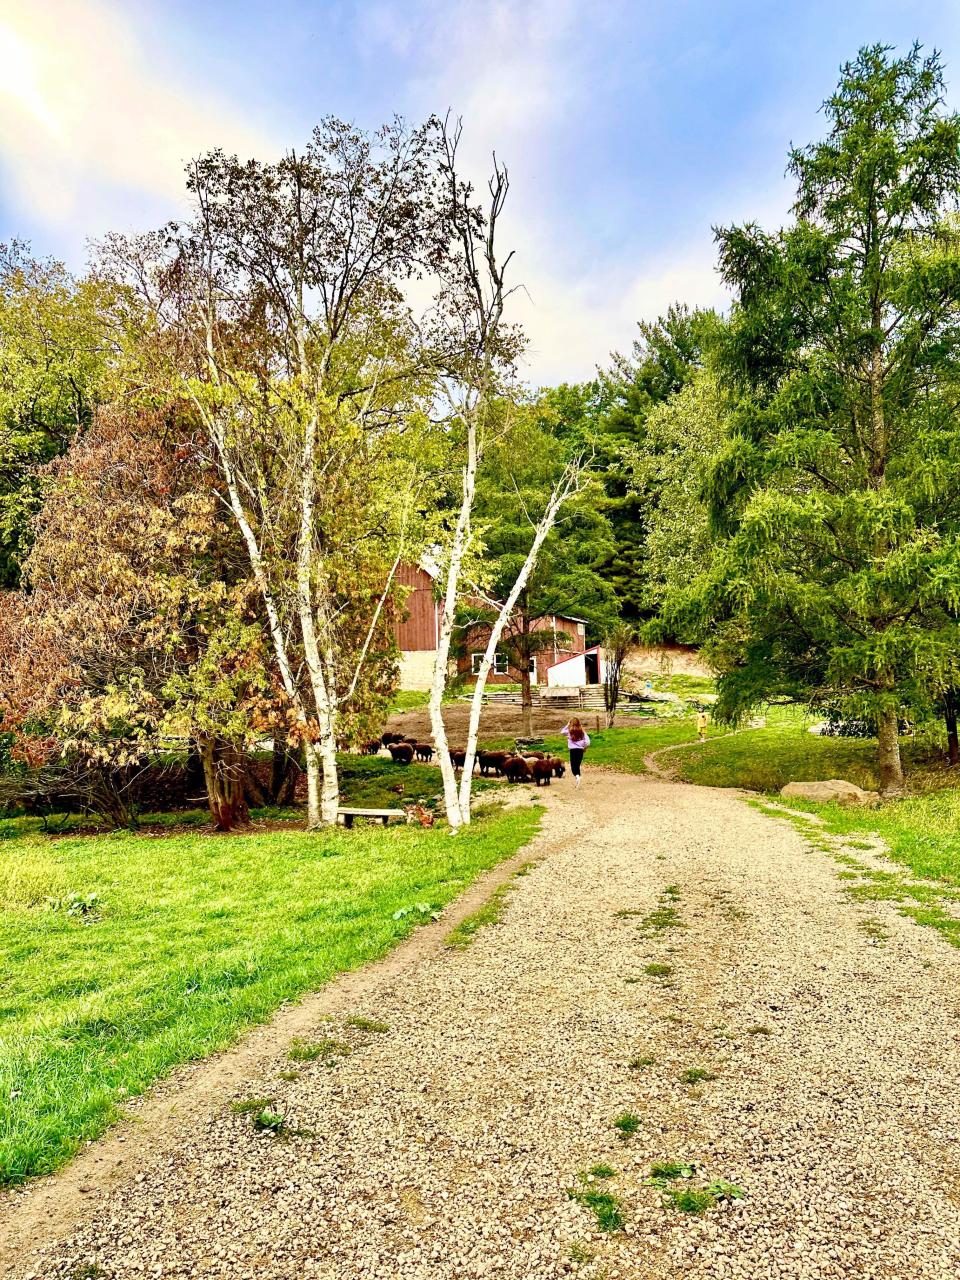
<point>833,789</point>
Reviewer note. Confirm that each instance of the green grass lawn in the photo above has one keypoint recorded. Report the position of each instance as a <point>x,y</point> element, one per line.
<point>623,747</point>
<point>190,939</point>
<point>766,759</point>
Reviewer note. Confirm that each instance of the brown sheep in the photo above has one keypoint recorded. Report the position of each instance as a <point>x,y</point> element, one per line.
<point>423,751</point>
<point>542,772</point>
<point>402,752</point>
<point>518,770</point>
<point>492,761</point>
<point>459,757</point>
<point>372,747</point>
<point>387,738</point>
<point>558,767</point>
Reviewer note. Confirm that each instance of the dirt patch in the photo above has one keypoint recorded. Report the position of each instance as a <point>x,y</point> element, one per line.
<point>498,721</point>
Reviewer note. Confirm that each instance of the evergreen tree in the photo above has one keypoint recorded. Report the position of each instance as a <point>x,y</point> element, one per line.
<point>837,493</point>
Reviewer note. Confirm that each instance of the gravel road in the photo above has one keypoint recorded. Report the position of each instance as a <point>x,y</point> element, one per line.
<point>444,1147</point>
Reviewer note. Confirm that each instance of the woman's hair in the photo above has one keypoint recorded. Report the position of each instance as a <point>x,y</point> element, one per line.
<point>576,728</point>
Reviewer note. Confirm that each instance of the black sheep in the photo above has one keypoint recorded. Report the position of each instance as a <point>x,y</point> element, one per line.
<point>459,758</point>
<point>402,752</point>
<point>423,751</point>
<point>387,738</point>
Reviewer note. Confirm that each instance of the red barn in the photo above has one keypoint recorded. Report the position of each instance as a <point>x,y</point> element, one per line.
<point>419,633</point>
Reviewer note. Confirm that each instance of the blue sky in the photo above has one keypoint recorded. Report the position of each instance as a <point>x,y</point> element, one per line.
<point>629,128</point>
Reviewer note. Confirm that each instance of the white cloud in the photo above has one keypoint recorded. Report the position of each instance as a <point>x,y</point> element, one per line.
<point>573,326</point>
<point>95,130</point>
<point>87,111</point>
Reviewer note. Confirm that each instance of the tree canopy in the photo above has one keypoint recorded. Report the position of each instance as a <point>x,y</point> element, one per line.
<point>836,495</point>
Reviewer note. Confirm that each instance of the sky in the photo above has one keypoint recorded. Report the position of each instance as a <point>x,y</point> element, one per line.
<point>630,128</point>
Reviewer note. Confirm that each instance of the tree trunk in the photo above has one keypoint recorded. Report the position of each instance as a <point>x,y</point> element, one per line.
<point>258,797</point>
<point>313,784</point>
<point>565,486</point>
<point>284,767</point>
<point>195,783</point>
<point>950,716</point>
<point>458,547</point>
<point>223,773</point>
<point>888,751</point>
<point>326,750</point>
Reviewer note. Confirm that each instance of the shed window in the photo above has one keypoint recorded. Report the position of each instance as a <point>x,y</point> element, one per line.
<point>499,663</point>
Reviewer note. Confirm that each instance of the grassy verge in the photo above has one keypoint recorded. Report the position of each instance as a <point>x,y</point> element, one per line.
<point>920,832</point>
<point>124,955</point>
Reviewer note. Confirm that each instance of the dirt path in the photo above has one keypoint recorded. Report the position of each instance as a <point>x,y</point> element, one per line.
<point>444,1147</point>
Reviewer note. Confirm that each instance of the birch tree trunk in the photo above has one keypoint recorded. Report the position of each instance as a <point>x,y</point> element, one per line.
<point>565,487</point>
<point>458,547</point>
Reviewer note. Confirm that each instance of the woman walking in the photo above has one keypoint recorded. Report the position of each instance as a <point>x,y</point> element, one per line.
<point>577,740</point>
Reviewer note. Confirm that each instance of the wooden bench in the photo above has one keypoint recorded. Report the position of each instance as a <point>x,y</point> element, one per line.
<point>384,815</point>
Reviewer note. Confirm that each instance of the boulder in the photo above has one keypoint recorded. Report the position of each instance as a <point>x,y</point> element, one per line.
<point>833,789</point>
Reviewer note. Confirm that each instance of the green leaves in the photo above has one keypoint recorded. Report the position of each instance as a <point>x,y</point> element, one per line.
<point>835,498</point>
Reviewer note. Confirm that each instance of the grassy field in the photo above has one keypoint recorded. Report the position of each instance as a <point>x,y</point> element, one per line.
<point>783,751</point>
<point>123,955</point>
<point>624,747</point>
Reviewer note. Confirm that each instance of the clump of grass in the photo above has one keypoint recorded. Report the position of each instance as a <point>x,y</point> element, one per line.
<point>759,1029</point>
<point>267,1121</point>
<point>637,1064</point>
<point>289,1076</point>
<point>367,1024</point>
<point>697,1075</point>
<point>602,1171</point>
<point>723,1190</point>
<point>690,1199</point>
<point>250,1106</point>
<point>663,1171</point>
<point>606,1208</point>
<point>326,1051</point>
<point>662,918</point>
<point>697,1200</point>
<point>627,1124</point>
<point>460,937</point>
<point>580,1253</point>
<point>657,970</point>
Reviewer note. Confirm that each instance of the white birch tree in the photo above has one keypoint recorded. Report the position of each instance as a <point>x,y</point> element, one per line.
<point>476,388</point>
<point>279,309</point>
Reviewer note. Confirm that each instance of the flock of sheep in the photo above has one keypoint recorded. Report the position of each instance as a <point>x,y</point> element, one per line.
<point>532,766</point>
